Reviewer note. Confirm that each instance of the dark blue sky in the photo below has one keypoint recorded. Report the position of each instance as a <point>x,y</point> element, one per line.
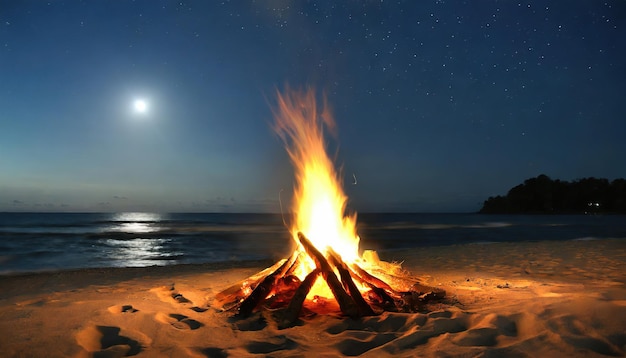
<point>439,104</point>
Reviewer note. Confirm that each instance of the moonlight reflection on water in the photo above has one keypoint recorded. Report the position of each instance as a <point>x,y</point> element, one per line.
<point>139,251</point>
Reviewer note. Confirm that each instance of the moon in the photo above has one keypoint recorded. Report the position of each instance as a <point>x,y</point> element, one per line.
<point>140,105</point>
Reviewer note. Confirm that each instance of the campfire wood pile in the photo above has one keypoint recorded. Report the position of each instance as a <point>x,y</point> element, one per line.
<point>277,288</point>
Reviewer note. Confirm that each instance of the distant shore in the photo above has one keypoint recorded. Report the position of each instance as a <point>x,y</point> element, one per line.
<point>542,195</point>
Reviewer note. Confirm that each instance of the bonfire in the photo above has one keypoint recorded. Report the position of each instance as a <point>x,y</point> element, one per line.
<point>325,273</point>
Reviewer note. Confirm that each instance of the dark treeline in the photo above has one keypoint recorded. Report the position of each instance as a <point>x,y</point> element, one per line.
<point>542,195</point>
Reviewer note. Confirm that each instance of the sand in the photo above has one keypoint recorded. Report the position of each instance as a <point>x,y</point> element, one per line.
<point>539,299</point>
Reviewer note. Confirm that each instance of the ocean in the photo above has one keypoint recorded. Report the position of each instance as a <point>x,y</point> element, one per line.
<point>31,242</point>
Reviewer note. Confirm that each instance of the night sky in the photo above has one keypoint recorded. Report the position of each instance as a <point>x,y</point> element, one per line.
<point>439,104</point>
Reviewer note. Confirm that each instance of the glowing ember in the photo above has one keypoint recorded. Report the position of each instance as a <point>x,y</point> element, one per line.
<point>319,201</point>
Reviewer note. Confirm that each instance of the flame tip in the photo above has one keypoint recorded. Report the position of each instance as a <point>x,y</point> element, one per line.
<point>319,200</point>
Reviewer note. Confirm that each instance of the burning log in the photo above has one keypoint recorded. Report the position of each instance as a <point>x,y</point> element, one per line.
<point>346,278</point>
<point>346,303</point>
<point>232,296</point>
<point>368,280</point>
<point>373,280</point>
<point>278,285</point>
<point>262,290</point>
<point>295,305</point>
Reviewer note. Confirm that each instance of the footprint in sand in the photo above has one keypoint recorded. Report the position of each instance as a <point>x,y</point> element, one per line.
<point>180,298</point>
<point>270,345</point>
<point>199,309</point>
<point>394,332</point>
<point>122,309</point>
<point>178,321</point>
<point>106,341</point>
<point>211,352</point>
<point>170,295</point>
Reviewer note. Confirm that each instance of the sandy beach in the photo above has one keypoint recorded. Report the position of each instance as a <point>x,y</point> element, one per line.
<point>535,299</point>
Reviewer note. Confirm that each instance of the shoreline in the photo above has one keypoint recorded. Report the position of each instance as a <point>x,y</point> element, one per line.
<point>27,282</point>
<point>543,298</point>
<point>212,265</point>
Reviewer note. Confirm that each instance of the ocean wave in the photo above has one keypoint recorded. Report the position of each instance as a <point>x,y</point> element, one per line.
<point>586,238</point>
<point>29,242</point>
<point>418,226</point>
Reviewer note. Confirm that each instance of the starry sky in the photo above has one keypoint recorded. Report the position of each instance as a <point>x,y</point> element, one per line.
<point>438,104</point>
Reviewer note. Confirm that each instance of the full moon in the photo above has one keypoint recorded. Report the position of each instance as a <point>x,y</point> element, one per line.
<point>140,106</point>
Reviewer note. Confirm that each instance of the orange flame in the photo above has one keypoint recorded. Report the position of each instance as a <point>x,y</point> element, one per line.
<point>319,203</point>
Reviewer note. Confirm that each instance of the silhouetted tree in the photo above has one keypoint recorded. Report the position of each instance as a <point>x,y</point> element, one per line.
<point>498,204</point>
<point>542,195</point>
<point>617,196</point>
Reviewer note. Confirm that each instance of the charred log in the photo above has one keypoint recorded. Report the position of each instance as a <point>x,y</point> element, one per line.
<point>346,303</point>
<point>261,291</point>
<point>376,295</point>
<point>373,280</point>
<point>278,287</point>
<point>346,278</point>
<point>232,296</point>
<point>291,313</point>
